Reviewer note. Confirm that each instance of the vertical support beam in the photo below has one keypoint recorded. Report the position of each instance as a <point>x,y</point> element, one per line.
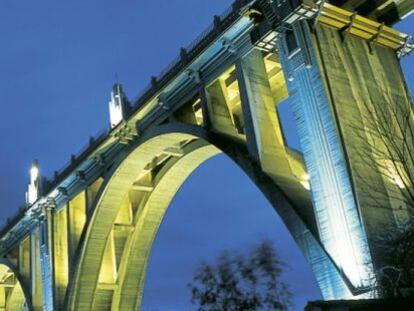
<point>204,105</point>
<point>76,222</point>
<point>259,106</point>
<point>220,109</point>
<point>340,228</point>
<point>2,298</point>
<point>91,193</point>
<point>259,111</point>
<point>61,256</point>
<point>249,128</point>
<point>264,133</point>
<point>46,252</point>
<point>13,255</point>
<point>36,271</point>
<point>24,260</point>
<point>108,273</point>
<point>372,107</point>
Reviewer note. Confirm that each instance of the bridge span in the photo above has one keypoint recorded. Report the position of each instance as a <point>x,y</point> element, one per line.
<point>84,238</point>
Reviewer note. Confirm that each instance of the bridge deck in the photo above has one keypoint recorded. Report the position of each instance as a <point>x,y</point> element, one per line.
<point>382,10</point>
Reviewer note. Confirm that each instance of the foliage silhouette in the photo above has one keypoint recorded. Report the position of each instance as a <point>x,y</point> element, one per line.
<point>242,282</point>
<point>386,149</point>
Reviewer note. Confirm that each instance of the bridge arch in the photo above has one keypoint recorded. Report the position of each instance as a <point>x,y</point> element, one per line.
<point>14,294</point>
<point>134,198</point>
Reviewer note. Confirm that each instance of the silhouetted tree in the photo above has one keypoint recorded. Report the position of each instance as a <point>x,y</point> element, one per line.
<point>397,278</point>
<point>385,148</point>
<point>242,282</point>
<point>386,144</point>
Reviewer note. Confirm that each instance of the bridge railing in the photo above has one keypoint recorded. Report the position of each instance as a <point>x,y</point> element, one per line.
<point>189,53</point>
<point>76,159</point>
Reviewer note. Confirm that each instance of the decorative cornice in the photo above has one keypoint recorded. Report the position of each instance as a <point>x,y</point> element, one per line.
<point>125,133</point>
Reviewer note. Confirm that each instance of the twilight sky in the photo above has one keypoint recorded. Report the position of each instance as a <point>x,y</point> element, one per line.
<point>58,61</point>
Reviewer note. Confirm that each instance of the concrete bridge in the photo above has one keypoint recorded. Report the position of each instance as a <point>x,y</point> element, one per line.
<point>84,238</point>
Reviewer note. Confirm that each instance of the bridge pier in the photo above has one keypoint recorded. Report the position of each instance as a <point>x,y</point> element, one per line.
<point>46,256</point>
<point>335,208</point>
<point>334,79</point>
<point>36,270</point>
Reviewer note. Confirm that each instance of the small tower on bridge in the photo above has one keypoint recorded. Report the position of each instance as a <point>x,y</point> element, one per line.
<point>118,105</point>
<point>33,189</point>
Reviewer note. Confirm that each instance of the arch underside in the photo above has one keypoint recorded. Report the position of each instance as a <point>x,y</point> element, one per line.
<point>13,295</point>
<point>133,200</point>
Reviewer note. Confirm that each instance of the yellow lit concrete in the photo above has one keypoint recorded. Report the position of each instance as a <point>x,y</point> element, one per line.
<point>12,295</point>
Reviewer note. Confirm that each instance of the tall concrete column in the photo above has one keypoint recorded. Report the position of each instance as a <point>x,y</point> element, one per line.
<point>339,224</point>
<point>36,268</point>
<point>46,256</point>
<point>261,122</point>
<point>204,105</point>
<point>263,130</point>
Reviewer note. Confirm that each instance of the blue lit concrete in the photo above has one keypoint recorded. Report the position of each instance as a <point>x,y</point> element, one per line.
<point>335,208</point>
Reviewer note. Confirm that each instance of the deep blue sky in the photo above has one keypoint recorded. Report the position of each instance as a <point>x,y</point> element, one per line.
<point>58,61</point>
